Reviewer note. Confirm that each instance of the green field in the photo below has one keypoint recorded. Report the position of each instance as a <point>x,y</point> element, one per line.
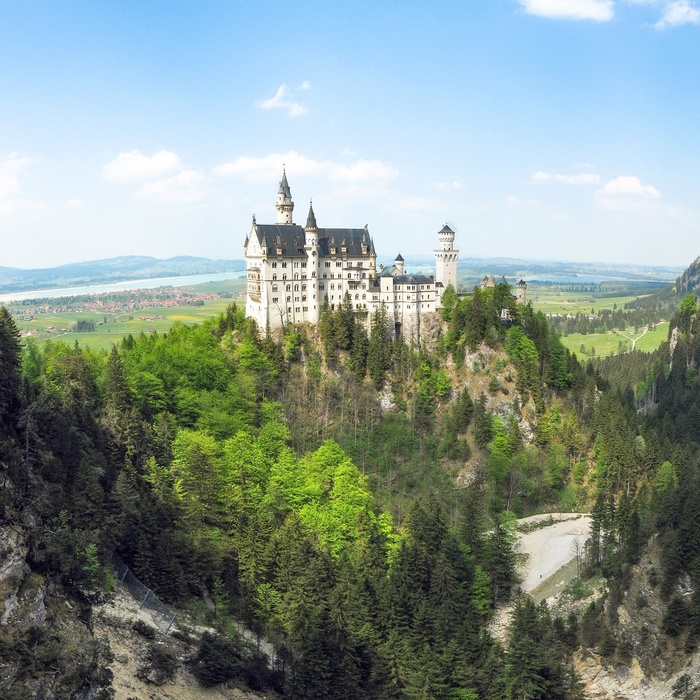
<point>114,327</point>
<point>613,343</point>
<point>554,301</point>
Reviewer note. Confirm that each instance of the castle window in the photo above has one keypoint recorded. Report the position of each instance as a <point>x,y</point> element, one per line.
<point>284,276</point>
<point>303,287</point>
<point>296,309</point>
<point>274,288</point>
<point>313,275</point>
<point>289,298</point>
<point>343,250</point>
<point>306,308</point>
<point>321,286</point>
<point>357,296</point>
<point>339,264</point>
<point>296,287</point>
<point>296,275</point>
<point>303,298</point>
<point>274,264</point>
<point>284,264</point>
<point>289,309</point>
<point>364,296</point>
<point>275,300</point>
<point>332,286</point>
<point>303,264</point>
<point>364,275</point>
<point>325,276</point>
<point>289,288</point>
<point>327,264</point>
<point>274,276</point>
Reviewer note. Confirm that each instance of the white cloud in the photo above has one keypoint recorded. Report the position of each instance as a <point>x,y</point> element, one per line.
<point>361,172</point>
<point>74,204</point>
<point>11,201</point>
<point>283,99</point>
<point>677,13</point>
<point>578,179</point>
<point>136,166</point>
<point>10,170</point>
<point>629,185</point>
<point>575,179</point>
<point>597,10</point>
<point>306,85</point>
<point>627,193</point>
<point>448,186</point>
<point>187,187</point>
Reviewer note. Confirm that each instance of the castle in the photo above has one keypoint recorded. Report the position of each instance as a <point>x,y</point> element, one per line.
<point>292,269</point>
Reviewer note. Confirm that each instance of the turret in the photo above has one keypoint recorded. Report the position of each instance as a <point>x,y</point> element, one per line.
<point>311,229</point>
<point>445,260</point>
<point>285,203</point>
<point>399,264</point>
<point>311,248</point>
<point>521,292</point>
<point>446,236</point>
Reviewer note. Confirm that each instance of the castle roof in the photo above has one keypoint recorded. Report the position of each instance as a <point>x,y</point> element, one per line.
<point>398,258</point>
<point>445,229</point>
<point>292,239</point>
<point>311,218</point>
<point>284,186</point>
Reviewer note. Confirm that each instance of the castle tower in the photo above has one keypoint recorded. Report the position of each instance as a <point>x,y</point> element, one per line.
<point>399,264</point>
<point>521,292</point>
<point>446,259</point>
<point>311,249</point>
<point>285,203</point>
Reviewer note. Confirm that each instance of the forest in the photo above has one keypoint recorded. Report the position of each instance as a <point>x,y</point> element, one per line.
<point>271,475</point>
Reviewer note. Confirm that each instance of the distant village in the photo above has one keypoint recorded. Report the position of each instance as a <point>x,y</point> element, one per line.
<point>112,307</point>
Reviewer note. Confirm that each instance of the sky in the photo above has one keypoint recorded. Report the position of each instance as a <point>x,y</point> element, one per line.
<point>540,129</point>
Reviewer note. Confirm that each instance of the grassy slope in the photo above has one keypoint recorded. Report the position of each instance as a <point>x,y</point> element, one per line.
<point>121,324</point>
<point>605,343</point>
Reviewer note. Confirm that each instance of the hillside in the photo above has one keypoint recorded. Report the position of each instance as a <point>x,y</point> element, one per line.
<point>670,297</point>
<point>349,498</point>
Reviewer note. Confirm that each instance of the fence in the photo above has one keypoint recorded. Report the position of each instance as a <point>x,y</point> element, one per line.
<point>162,616</point>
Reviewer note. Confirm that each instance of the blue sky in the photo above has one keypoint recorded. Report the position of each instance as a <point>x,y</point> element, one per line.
<point>556,129</point>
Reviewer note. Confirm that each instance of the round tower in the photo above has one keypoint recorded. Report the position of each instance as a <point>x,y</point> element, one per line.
<point>285,203</point>
<point>445,260</point>
<point>398,262</point>
<point>521,292</point>
<point>311,248</point>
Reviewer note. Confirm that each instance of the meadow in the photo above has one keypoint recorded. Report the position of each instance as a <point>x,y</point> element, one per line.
<point>110,328</point>
<point>603,344</point>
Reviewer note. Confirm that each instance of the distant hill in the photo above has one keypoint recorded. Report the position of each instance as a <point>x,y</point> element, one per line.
<point>128,267</point>
<point>671,296</point>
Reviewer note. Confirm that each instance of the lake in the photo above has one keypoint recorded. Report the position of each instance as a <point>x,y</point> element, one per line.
<point>154,283</point>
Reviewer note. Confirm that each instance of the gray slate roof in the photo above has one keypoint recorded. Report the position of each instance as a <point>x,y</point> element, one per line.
<point>291,238</point>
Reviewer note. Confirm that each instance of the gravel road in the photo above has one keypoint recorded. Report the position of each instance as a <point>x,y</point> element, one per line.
<point>550,550</point>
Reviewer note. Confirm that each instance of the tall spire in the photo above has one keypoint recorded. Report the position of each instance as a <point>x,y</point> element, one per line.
<point>285,203</point>
<point>284,185</point>
<point>311,218</point>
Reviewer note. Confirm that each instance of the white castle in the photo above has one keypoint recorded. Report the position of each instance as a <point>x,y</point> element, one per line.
<point>292,269</point>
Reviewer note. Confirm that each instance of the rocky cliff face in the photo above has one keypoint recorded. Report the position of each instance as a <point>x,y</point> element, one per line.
<point>638,661</point>
<point>54,646</point>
